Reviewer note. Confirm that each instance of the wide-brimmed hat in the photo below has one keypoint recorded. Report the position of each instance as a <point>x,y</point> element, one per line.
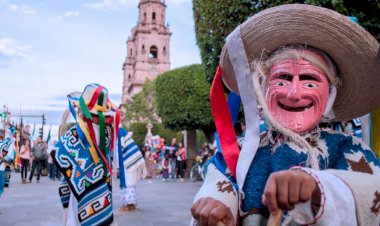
<point>354,51</point>
<point>93,99</point>
<point>93,106</point>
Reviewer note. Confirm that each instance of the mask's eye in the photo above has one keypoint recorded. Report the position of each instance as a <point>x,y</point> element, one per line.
<point>281,83</point>
<point>310,85</point>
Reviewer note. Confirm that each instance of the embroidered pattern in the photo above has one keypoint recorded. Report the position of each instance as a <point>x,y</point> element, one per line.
<point>376,204</point>
<point>88,182</point>
<point>360,166</point>
<point>225,186</point>
<point>64,193</point>
<point>341,152</point>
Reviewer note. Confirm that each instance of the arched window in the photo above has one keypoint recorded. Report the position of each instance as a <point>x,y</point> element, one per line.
<point>144,17</point>
<point>143,48</point>
<point>129,76</point>
<point>153,53</point>
<point>153,16</point>
<point>130,52</point>
<point>164,50</point>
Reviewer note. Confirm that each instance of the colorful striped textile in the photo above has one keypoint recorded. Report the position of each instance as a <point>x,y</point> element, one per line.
<point>64,193</point>
<point>87,181</point>
<point>130,152</point>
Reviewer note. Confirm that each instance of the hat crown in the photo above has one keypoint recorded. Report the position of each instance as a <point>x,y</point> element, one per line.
<point>95,94</point>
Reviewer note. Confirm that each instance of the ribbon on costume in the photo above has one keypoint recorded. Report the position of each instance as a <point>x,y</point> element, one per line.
<point>233,102</point>
<point>224,123</point>
<point>84,135</point>
<point>375,131</point>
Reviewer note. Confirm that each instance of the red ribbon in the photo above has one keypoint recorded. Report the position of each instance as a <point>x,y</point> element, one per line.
<point>95,97</point>
<point>223,123</point>
<point>92,134</point>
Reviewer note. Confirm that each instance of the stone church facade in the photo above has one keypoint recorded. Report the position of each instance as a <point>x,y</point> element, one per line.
<point>147,48</point>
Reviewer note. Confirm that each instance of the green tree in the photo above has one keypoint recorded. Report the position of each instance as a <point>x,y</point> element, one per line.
<point>182,97</point>
<point>142,106</point>
<point>139,130</point>
<point>215,19</point>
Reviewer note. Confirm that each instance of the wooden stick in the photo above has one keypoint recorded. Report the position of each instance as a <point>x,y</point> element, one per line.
<point>275,220</point>
<point>220,224</point>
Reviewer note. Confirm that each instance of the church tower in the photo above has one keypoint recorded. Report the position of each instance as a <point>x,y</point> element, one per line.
<point>147,48</point>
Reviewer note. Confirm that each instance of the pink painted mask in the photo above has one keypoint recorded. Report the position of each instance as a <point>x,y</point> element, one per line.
<point>297,94</point>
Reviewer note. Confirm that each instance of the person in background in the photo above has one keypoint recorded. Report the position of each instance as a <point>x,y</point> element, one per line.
<point>25,153</point>
<point>181,157</point>
<point>38,151</point>
<point>166,168</point>
<point>52,168</point>
<point>83,155</point>
<point>171,153</point>
<point>132,167</point>
<point>150,164</point>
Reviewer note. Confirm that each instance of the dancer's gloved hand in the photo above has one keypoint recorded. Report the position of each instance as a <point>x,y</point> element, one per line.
<point>209,211</point>
<point>284,189</point>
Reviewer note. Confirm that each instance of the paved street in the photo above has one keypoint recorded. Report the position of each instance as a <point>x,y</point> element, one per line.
<point>160,203</point>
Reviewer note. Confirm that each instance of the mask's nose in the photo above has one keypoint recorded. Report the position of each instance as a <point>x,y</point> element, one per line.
<point>294,93</point>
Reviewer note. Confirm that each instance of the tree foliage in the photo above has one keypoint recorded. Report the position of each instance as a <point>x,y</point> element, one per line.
<point>182,97</point>
<point>142,106</point>
<point>140,130</point>
<point>215,19</point>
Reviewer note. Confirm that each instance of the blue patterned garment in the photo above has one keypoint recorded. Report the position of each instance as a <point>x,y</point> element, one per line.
<point>130,157</point>
<point>89,183</point>
<point>337,150</point>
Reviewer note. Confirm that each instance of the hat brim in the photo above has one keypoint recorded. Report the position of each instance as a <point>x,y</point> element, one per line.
<point>354,51</point>
<point>74,100</point>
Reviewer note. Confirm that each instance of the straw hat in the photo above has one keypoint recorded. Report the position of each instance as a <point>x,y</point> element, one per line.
<point>95,100</point>
<point>354,51</point>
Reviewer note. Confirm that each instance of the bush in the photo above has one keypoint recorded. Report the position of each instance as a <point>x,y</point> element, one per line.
<point>139,132</point>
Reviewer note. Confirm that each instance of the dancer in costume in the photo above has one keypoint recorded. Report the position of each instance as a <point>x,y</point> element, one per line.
<point>306,65</point>
<point>132,167</point>
<point>82,154</point>
<point>7,152</point>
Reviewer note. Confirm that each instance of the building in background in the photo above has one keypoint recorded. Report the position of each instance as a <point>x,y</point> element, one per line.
<point>147,48</point>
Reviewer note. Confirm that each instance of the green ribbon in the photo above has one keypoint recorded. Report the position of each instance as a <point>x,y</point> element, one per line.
<point>84,108</point>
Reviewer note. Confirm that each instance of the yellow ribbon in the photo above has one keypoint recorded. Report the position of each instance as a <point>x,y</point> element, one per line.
<point>82,125</point>
<point>376,131</point>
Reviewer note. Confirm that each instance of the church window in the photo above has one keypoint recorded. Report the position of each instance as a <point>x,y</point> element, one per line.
<point>144,17</point>
<point>129,76</point>
<point>153,53</point>
<point>153,16</point>
<point>143,48</point>
<point>164,50</point>
<point>130,52</point>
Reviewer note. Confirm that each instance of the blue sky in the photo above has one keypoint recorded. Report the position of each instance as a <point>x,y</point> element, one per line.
<point>49,48</point>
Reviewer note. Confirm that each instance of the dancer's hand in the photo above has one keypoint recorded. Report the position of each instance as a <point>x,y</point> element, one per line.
<point>209,212</point>
<point>284,189</point>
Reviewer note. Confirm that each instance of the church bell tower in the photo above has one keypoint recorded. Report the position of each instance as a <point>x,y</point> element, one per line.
<point>147,48</point>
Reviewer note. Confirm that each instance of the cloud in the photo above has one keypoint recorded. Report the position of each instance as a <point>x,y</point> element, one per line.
<point>111,5</point>
<point>68,14</point>
<point>10,48</point>
<point>177,1</point>
<point>22,8</point>
<point>71,13</point>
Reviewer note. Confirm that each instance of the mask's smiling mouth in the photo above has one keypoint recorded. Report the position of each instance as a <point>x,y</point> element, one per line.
<point>295,109</point>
